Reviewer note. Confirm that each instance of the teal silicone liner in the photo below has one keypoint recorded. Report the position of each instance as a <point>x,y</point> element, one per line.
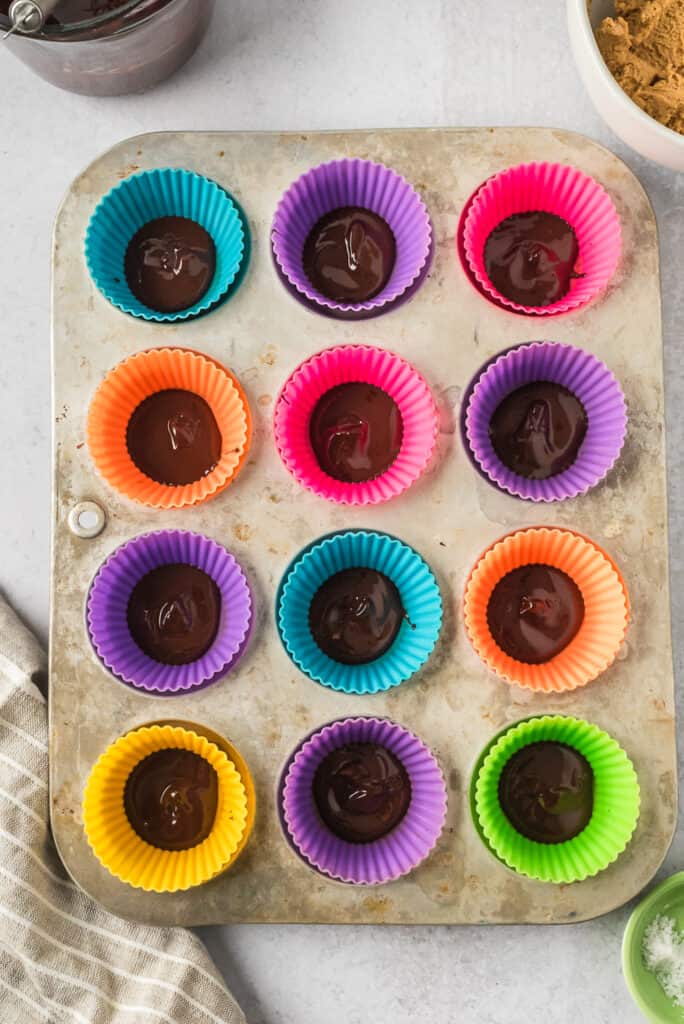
<point>419,594</point>
<point>144,197</point>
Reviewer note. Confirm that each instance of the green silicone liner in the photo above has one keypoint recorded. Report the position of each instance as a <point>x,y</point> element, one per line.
<point>616,803</point>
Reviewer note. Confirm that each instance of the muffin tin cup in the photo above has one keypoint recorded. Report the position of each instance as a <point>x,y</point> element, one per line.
<point>145,374</point>
<point>108,603</point>
<point>123,852</point>
<point>363,184</point>
<point>553,188</point>
<point>588,379</point>
<point>614,816</point>
<point>419,594</point>
<point>395,854</point>
<point>606,607</point>
<point>147,196</point>
<point>342,365</point>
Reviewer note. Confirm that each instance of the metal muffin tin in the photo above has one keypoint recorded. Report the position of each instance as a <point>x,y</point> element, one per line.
<point>266,707</point>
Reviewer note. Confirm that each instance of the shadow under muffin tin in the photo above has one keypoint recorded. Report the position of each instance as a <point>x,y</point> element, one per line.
<point>358,612</point>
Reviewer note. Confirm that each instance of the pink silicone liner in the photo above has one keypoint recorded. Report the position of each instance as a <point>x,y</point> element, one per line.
<point>566,192</point>
<point>341,365</point>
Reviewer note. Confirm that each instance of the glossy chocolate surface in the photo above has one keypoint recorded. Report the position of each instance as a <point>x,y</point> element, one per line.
<point>170,263</point>
<point>538,430</point>
<point>173,437</point>
<point>361,792</point>
<point>530,258</point>
<point>173,613</point>
<point>546,791</point>
<point>349,254</point>
<point>355,616</point>
<point>534,612</point>
<point>170,799</point>
<point>356,432</point>
<point>69,12</point>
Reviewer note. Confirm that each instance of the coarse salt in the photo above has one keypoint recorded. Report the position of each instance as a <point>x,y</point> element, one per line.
<point>662,950</point>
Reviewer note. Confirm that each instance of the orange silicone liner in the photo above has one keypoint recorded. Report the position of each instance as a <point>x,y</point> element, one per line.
<point>144,374</point>
<point>606,607</point>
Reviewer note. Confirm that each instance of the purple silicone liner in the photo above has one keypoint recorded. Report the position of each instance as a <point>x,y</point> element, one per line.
<point>401,850</point>
<point>108,603</point>
<point>591,382</point>
<point>359,183</point>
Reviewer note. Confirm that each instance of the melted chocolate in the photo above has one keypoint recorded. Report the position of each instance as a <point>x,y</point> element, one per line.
<point>170,263</point>
<point>173,613</point>
<point>173,437</point>
<point>361,792</point>
<point>69,12</point>
<point>355,616</point>
<point>530,258</point>
<point>538,430</point>
<point>170,799</point>
<point>349,254</point>
<point>534,612</point>
<point>356,432</point>
<point>546,791</point>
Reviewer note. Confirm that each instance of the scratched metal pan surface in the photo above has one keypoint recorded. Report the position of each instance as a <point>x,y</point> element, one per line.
<point>267,705</point>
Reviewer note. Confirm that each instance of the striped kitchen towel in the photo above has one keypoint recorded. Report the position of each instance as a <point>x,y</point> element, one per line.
<point>63,959</point>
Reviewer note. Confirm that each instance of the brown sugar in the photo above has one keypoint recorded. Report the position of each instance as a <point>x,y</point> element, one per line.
<point>643,46</point>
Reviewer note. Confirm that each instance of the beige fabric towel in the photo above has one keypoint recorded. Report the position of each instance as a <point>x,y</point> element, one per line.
<point>64,960</point>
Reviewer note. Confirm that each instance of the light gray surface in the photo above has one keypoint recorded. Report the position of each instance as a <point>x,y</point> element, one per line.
<point>450,515</point>
<point>266,66</point>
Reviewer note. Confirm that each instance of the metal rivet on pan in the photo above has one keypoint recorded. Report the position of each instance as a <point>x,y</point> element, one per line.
<point>87,519</point>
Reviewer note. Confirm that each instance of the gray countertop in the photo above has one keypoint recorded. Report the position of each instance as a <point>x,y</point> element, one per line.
<point>303,65</point>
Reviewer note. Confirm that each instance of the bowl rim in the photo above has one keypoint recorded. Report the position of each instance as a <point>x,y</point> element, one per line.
<point>581,8</point>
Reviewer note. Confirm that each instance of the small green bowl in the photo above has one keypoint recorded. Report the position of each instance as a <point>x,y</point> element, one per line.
<point>667,899</point>
<point>614,817</point>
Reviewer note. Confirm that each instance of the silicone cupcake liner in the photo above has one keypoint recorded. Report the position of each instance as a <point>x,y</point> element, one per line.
<point>561,190</point>
<point>395,854</point>
<point>615,812</point>
<point>108,603</point>
<point>162,193</point>
<point>144,374</point>
<point>129,857</point>
<point>590,381</point>
<point>419,594</point>
<point>359,183</point>
<point>606,607</point>
<point>347,315</point>
<point>341,365</point>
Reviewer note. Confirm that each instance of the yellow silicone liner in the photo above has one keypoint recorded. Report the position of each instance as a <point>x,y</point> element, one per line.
<point>142,375</point>
<point>606,607</point>
<point>121,850</point>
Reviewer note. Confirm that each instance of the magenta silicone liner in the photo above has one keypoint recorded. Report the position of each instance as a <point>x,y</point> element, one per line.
<point>363,184</point>
<point>395,854</point>
<point>590,381</point>
<point>345,364</point>
<point>553,188</point>
<point>108,603</point>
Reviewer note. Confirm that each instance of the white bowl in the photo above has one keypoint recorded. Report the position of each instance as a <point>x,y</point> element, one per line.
<point>629,122</point>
